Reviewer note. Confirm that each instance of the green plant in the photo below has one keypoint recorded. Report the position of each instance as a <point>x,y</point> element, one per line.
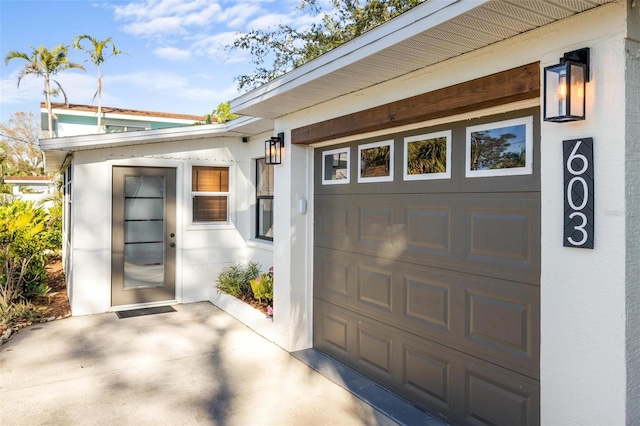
<point>235,280</point>
<point>23,248</point>
<point>262,286</point>
<point>22,311</point>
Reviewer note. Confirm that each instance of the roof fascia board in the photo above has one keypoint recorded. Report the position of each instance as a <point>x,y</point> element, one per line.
<point>84,142</point>
<point>415,21</point>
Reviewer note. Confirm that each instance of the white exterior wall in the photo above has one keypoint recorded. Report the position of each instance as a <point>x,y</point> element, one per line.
<point>583,377</point>
<point>203,250</point>
<point>583,291</point>
<point>74,129</point>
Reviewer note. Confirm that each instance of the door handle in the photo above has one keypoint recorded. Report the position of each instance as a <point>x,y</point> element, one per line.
<point>172,244</point>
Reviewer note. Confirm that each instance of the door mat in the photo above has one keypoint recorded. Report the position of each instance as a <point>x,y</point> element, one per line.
<point>145,311</point>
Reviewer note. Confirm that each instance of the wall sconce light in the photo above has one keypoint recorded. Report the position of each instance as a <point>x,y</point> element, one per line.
<point>273,149</point>
<point>564,87</point>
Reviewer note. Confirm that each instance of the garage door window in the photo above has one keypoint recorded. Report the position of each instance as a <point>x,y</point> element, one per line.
<point>375,162</point>
<point>335,166</point>
<point>500,149</point>
<point>427,156</point>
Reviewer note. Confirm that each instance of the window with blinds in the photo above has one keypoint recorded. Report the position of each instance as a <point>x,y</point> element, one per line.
<point>210,193</point>
<point>264,200</point>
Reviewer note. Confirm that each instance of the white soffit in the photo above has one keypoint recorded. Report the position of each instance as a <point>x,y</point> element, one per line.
<point>432,32</point>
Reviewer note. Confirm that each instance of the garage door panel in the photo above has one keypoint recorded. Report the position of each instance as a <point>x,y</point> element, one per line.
<point>484,317</point>
<point>428,230</point>
<point>331,332</point>
<point>500,323</point>
<point>464,388</point>
<point>503,238</point>
<point>494,397</point>
<point>427,301</point>
<point>490,234</point>
<point>375,226</point>
<point>426,375</point>
<point>374,287</point>
<point>332,274</point>
<point>333,216</point>
<point>374,350</point>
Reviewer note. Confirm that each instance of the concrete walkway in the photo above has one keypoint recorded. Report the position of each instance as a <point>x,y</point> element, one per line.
<point>194,366</point>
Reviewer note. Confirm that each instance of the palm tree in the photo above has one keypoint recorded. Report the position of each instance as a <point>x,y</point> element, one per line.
<point>97,55</point>
<point>45,63</point>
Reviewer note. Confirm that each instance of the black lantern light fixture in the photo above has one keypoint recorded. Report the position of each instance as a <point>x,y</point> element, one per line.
<point>564,87</point>
<point>273,149</point>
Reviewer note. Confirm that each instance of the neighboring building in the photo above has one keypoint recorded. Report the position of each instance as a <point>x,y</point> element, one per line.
<point>30,188</point>
<point>74,120</point>
<point>461,278</point>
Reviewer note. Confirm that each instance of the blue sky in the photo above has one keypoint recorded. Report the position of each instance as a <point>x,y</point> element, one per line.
<point>175,60</point>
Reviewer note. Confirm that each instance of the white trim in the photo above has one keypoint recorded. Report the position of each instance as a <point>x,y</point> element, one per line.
<point>231,197</point>
<point>389,177</point>
<point>347,178</point>
<point>528,167</point>
<point>427,176</point>
<point>422,17</point>
<point>233,128</point>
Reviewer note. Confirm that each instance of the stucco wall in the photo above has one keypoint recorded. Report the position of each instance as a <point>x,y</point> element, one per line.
<point>583,291</point>
<point>203,250</point>
<point>583,363</point>
<point>632,82</point>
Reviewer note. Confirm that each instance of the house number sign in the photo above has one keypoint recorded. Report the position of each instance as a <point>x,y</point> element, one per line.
<point>578,193</point>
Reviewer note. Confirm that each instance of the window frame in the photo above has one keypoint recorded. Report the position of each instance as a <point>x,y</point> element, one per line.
<point>193,194</point>
<point>422,137</point>
<point>527,169</point>
<point>347,179</point>
<point>370,179</point>
<point>67,190</point>
<point>258,199</point>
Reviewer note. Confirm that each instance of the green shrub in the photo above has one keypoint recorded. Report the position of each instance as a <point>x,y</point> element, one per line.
<point>19,312</point>
<point>24,243</point>
<point>262,286</point>
<point>235,280</point>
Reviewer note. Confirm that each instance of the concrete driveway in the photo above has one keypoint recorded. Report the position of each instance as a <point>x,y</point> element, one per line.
<point>194,366</point>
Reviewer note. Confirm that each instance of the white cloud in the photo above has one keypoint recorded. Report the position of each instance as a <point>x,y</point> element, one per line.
<point>235,17</point>
<point>214,46</point>
<point>79,88</point>
<point>152,80</point>
<point>31,89</point>
<point>157,18</point>
<point>172,53</point>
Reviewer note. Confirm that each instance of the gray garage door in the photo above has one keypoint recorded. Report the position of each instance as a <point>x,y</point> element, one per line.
<point>428,281</point>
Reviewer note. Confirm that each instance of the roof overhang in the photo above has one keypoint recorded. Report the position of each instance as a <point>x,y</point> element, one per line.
<point>430,33</point>
<point>57,149</point>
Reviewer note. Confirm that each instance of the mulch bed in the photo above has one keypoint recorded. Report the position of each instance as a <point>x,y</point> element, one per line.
<point>54,305</point>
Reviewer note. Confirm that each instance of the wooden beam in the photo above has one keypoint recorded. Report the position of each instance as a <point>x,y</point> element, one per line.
<point>497,89</point>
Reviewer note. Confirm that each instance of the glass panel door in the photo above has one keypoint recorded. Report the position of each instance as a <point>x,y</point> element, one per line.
<point>143,235</point>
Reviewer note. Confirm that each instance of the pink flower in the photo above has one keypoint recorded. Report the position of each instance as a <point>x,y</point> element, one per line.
<point>269,311</point>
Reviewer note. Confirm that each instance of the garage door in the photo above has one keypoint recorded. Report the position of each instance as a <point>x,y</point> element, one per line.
<point>427,265</point>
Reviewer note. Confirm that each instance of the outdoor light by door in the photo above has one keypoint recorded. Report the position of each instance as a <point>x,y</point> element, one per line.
<point>564,87</point>
<point>273,149</point>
